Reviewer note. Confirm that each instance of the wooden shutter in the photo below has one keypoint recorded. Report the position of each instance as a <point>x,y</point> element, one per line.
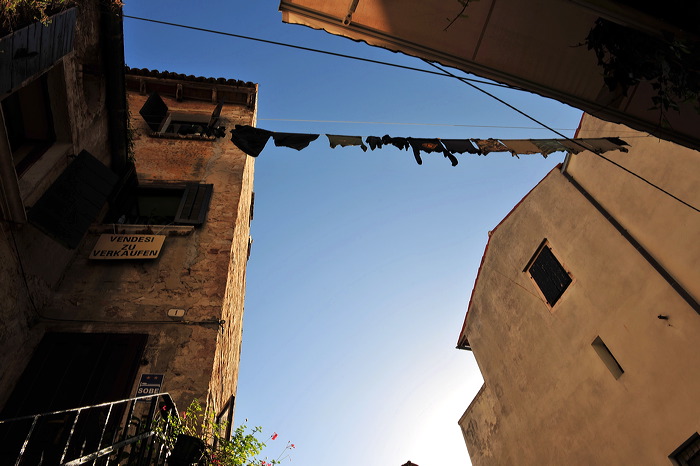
<point>194,204</point>
<point>215,115</point>
<point>74,200</point>
<point>154,111</point>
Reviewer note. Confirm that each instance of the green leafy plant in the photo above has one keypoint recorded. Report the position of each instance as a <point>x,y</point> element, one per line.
<point>241,449</point>
<point>16,14</point>
<point>628,57</point>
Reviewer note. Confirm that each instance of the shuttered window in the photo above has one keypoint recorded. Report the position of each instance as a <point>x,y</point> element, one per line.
<point>687,454</point>
<point>549,275</point>
<point>163,203</point>
<point>194,204</point>
<point>164,123</point>
<point>154,111</point>
<point>74,200</point>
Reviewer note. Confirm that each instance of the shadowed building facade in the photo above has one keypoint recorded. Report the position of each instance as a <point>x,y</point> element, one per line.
<point>126,224</point>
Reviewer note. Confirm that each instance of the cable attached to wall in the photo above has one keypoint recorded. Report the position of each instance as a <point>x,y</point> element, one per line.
<point>562,135</point>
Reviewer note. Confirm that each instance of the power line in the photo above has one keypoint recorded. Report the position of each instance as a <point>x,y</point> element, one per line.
<point>563,136</point>
<point>410,124</point>
<point>309,49</point>
<point>443,72</point>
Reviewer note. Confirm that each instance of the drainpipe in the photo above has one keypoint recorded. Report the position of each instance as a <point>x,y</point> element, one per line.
<point>682,292</point>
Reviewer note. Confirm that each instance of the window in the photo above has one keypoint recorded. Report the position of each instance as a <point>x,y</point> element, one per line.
<point>29,123</point>
<point>607,357</point>
<point>172,124</point>
<point>66,210</point>
<point>35,139</point>
<point>225,417</point>
<point>549,275</point>
<point>687,454</point>
<point>163,204</point>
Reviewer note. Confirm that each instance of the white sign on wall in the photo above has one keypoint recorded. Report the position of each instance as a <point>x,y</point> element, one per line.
<point>110,247</point>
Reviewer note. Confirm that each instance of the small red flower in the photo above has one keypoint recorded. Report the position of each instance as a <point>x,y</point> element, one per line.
<point>292,446</point>
<point>274,436</point>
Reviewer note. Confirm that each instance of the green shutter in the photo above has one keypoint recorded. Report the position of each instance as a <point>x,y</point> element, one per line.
<point>194,204</point>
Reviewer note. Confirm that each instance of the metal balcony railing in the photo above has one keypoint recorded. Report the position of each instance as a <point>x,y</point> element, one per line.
<point>119,433</point>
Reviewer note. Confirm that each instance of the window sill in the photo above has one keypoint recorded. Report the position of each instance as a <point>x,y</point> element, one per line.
<point>37,179</point>
<point>168,230</point>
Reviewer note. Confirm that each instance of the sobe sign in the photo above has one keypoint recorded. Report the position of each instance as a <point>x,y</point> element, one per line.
<point>127,247</point>
<point>150,384</point>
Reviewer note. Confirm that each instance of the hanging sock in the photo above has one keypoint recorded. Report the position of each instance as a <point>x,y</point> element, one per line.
<point>429,146</point>
<point>375,142</point>
<point>459,145</point>
<point>344,141</point>
<point>296,141</point>
<point>487,146</point>
<point>249,139</point>
<point>401,143</point>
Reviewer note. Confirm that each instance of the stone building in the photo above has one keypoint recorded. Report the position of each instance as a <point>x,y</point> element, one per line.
<point>584,316</point>
<point>126,224</point>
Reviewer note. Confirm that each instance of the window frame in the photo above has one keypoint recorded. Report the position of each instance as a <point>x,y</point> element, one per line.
<point>24,185</point>
<point>193,207</point>
<point>689,448</point>
<point>158,125</point>
<point>546,244</point>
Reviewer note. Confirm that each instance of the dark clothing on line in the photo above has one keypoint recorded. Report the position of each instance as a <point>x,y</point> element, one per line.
<point>296,141</point>
<point>344,141</point>
<point>375,142</point>
<point>490,145</point>
<point>459,145</point>
<point>401,143</point>
<point>429,146</point>
<point>249,139</point>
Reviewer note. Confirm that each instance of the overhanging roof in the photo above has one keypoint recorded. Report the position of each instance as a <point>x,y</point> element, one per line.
<point>533,45</point>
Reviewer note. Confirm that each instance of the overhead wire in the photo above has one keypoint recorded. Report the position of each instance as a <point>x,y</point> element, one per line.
<point>310,49</point>
<point>441,72</point>
<point>562,135</point>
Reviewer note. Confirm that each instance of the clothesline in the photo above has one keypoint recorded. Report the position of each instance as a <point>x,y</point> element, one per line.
<point>252,141</point>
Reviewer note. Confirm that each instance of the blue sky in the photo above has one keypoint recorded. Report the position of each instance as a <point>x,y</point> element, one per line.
<point>363,263</point>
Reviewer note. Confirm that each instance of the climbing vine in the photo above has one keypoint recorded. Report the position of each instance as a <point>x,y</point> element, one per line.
<point>629,57</point>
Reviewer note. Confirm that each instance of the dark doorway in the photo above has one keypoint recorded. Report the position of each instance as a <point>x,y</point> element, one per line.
<point>69,370</point>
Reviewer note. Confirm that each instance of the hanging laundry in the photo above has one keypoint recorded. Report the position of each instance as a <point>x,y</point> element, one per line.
<point>249,139</point>
<point>375,142</point>
<point>459,145</point>
<point>520,147</point>
<point>490,145</point>
<point>547,146</point>
<point>575,145</point>
<point>344,141</point>
<point>429,146</point>
<point>608,144</point>
<point>401,143</point>
<point>296,141</point>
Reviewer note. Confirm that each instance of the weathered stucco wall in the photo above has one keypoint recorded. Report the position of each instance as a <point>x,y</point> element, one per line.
<point>666,228</point>
<point>548,396</point>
